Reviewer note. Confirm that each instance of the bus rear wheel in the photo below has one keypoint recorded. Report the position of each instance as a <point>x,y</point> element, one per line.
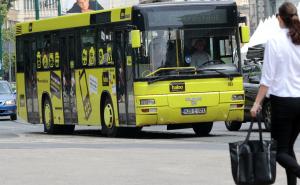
<point>202,129</point>
<point>108,119</point>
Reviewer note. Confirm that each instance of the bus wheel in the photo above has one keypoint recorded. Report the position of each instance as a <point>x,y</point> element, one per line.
<point>108,119</point>
<point>68,129</point>
<point>202,129</point>
<point>49,126</point>
<point>233,125</point>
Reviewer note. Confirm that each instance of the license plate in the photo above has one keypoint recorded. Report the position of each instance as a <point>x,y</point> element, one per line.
<point>193,111</point>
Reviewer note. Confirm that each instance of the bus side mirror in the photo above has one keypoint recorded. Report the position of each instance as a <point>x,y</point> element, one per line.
<point>245,34</point>
<point>135,38</point>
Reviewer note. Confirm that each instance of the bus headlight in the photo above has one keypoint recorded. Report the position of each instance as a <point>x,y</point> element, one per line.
<point>147,102</point>
<point>237,97</point>
<point>10,102</point>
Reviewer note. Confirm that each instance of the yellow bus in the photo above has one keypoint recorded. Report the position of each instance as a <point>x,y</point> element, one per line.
<point>126,68</point>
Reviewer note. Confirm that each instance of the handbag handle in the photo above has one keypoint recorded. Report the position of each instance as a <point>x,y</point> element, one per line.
<point>258,116</point>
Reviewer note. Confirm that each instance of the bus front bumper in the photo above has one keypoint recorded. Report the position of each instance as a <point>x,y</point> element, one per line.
<point>167,115</point>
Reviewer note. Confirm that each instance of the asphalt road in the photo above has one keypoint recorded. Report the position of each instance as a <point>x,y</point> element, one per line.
<point>155,156</point>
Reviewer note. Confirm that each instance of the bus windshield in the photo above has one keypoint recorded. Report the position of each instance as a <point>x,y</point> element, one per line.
<point>185,48</point>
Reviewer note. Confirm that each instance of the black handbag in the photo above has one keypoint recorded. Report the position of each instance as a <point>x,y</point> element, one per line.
<point>253,162</point>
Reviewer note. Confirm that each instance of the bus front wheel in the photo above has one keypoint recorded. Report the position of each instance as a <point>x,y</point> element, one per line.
<point>108,119</point>
<point>49,126</point>
<point>202,129</point>
<point>233,125</point>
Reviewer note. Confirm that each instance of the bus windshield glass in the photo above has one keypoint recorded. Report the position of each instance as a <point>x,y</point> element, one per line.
<point>166,49</point>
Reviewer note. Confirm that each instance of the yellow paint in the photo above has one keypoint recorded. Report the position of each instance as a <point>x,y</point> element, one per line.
<point>84,57</point>
<point>92,57</point>
<point>245,34</point>
<point>119,14</point>
<point>215,94</point>
<point>56,59</point>
<point>51,60</point>
<point>94,95</point>
<point>45,61</point>
<point>21,97</point>
<point>39,60</point>
<point>67,21</point>
<point>129,60</point>
<point>43,84</point>
<point>109,52</point>
<point>101,56</point>
<point>135,38</point>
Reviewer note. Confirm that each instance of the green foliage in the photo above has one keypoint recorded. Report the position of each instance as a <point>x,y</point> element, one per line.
<point>8,35</point>
<point>4,7</point>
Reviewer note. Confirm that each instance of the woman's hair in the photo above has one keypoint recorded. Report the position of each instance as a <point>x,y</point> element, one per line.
<point>288,13</point>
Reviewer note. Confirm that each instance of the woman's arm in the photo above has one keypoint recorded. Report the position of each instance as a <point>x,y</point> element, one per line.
<point>262,91</point>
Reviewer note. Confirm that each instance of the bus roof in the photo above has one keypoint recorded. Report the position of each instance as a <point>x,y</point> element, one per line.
<point>193,2</point>
<point>75,20</point>
<point>121,14</point>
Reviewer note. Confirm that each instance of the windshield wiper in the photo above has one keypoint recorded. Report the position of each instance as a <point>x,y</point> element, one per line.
<point>158,79</point>
<point>230,77</point>
<point>171,69</point>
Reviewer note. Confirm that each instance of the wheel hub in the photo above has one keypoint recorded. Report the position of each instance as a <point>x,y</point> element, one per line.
<point>108,116</point>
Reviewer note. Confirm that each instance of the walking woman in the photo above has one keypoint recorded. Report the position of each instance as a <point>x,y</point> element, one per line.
<point>281,81</point>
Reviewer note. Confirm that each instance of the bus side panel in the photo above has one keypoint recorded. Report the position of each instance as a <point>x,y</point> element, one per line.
<point>50,82</point>
<point>21,96</point>
<point>90,84</point>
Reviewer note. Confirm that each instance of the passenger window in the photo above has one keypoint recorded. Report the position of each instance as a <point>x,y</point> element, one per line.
<point>88,49</point>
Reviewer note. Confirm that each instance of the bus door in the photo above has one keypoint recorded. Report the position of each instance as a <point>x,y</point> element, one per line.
<point>31,80</point>
<point>124,78</point>
<point>67,52</point>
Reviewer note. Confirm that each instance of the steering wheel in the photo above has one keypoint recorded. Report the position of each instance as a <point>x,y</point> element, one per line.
<point>213,62</point>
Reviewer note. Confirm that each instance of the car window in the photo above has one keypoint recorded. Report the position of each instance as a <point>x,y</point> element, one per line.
<point>4,88</point>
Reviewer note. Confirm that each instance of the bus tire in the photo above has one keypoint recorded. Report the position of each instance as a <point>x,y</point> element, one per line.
<point>108,124</point>
<point>202,129</point>
<point>47,117</point>
<point>233,125</point>
<point>68,129</point>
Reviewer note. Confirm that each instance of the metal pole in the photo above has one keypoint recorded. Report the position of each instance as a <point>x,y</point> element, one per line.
<point>58,7</point>
<point>37,9</point>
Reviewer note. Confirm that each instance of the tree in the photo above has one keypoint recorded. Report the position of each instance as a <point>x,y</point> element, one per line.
<point>4,7</point>
<point>9,53</point>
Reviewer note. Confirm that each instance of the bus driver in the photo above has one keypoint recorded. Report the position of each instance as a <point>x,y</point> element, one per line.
<point>199,55</point>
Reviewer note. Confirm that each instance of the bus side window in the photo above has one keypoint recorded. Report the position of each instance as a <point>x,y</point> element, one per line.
<point>225,49</point>
<point>88,47</point>
<point>104,46</point>
<point>20,55</point>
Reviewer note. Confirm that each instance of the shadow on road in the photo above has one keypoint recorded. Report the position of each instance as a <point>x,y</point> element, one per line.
<point>137,135</point>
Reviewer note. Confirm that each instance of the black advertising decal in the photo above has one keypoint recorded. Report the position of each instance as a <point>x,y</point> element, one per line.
<point>122,14</point>
<point>105,78</point>
<point>177,86</point>
<point>85,95</point>
<point>55,84</point>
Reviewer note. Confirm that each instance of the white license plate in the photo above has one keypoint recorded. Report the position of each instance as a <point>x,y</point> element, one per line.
<point>193,111</point>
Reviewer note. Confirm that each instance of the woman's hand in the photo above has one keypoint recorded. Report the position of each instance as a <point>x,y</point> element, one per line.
<point>255,109</point>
